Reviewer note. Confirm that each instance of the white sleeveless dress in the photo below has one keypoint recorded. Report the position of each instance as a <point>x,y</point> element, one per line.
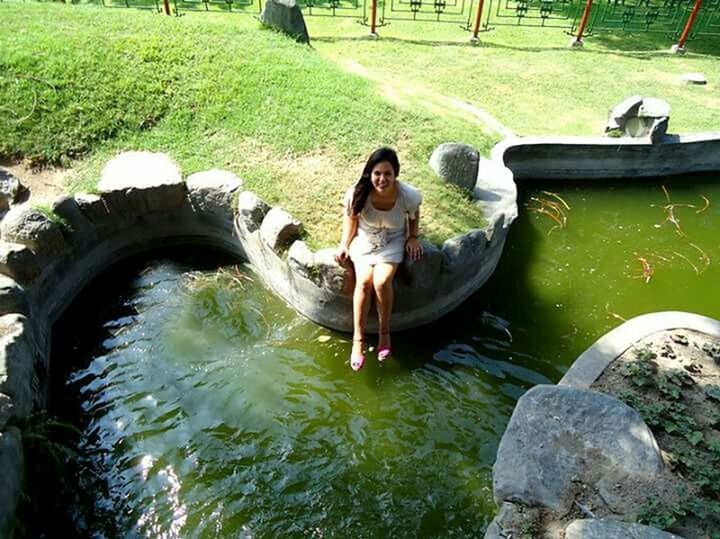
<point>381,234</point>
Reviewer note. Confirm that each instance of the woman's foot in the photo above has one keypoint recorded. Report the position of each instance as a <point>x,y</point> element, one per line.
<point>384,350</point>
<point>357,356</point>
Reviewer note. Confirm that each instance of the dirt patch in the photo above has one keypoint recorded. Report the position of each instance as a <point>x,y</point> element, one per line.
<point>672,378</point>
<point>40,185</point>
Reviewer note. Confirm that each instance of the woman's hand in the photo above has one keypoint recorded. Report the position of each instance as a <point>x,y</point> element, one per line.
<point>413,248</point>
<point>342,255</point>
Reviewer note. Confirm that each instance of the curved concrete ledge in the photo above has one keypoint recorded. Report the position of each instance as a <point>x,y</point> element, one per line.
<point>592,362</point>
<point>314,285</point>
<point>585,158</point>
<point>47,258</point>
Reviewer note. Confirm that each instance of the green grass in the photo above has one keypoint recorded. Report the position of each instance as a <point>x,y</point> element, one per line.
<point>529,79</point>
<point>81,83</point>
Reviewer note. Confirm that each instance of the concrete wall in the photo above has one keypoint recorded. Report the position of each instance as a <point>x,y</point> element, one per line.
<point>582,158</point>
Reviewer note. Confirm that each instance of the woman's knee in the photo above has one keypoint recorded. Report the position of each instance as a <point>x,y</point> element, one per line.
<point>364,282</point>
<point>383,282</point>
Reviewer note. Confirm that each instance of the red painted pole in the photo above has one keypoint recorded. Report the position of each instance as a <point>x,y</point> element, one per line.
<point>477,19</point>
<point>583,21</point>
<point>373,15</point>
<point>688,26</point>
<point>166,5</point>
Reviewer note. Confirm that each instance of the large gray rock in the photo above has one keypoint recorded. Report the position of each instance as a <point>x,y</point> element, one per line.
<point>559,437</point>
<point>251,210</point>
<point>212,192</point>
<point>19,262</point>
<point>285,15</point>
<point>456,163</point>
<point>136,183</point>
<point>93,208</point>
<point>652,107</point>
<point>12,296</point>
<point>11,466</point>
<point>6,410</point>
<point>627,108</point>
<point>640,117</point>
<point>613,529</point>
<point>31,227</point>
<point>425,272</point>
<point>279,229</point>
<point>464,252</point>
<point>17,364</point>
<point>80,229</point>
<point>513,520</point>
<point>320,268</point>
<point>329,274</point>
<point>9,189</point>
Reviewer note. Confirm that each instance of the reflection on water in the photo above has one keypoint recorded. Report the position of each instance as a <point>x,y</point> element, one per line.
<point>209,408</point>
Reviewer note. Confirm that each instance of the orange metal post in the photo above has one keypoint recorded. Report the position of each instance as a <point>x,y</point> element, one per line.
<point>373,15</point>
<point>583,21</point>
<point>476,29</point>
<point>690,22</point>
<point>166,5</point>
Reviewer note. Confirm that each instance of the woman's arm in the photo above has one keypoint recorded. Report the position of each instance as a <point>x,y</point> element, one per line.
<point>413,246</point>
<point>350,224</point>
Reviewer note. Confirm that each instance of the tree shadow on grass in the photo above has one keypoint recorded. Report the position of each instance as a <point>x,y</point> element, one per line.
<point>640,46</point>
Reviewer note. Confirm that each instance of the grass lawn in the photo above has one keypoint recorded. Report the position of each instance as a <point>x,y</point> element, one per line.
<point>529,79</point>
<point>80,83</point>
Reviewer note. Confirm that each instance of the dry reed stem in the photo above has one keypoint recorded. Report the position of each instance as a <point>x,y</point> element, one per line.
<point>667,195</point>
<point>647,269</point>
<point>612,314</point>
<point>706,206</point>
<point>697,272</point>
<point>552,209</point>
<point>703,255</point>
<point>555,195</point>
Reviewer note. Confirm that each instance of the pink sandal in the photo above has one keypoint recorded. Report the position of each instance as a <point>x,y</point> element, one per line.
<point>384,352</point>
<point>357,360</point>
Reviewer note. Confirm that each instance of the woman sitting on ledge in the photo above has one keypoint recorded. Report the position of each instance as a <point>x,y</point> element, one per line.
<point>380,225</point>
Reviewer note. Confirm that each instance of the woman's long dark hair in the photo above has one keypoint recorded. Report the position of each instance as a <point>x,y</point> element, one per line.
<point>364,184</point>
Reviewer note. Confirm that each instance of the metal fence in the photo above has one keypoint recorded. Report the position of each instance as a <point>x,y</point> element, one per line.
<point>684,19</point>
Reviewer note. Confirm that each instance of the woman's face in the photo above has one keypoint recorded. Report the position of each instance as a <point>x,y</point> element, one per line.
<point>383,176</point>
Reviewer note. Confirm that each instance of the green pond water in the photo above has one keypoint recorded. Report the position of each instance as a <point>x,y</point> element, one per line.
<point>207,408</point>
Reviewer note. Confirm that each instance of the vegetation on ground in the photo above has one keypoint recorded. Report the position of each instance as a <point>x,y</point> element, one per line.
<point>674,386</point>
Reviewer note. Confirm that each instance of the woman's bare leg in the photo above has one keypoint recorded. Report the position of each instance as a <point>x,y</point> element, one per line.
<point>362,297</point>
<point>382,282</point>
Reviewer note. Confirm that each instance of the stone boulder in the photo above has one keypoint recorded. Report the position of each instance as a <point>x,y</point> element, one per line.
<point>212,192</point>
<point>12,297</point>
<point>251,210</point>
<point>33,228</point>
<point>17,364</point>
<point>285,15</point>
<point>279,229</point>
<point>135,183</point>
<point>9,189</point>
<point>465,252</point>
<point>456,163</point>
<point>423,273</point>
<point>18,262</point>
<point>694,78</point>
<point>561,437</point>
<point>639,117</point>
<point>613,529</point>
